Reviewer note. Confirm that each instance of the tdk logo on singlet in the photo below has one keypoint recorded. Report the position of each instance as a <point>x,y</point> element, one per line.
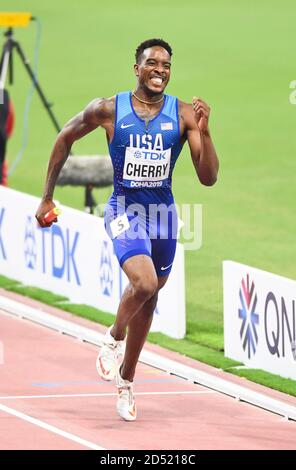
<point>146,148</point>
<point>147,155</point>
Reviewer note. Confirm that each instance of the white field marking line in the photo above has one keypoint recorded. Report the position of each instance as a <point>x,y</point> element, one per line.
<point>50,428</point>
<point>81,395</point>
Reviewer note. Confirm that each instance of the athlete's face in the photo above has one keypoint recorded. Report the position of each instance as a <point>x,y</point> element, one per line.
<point>154,69</point>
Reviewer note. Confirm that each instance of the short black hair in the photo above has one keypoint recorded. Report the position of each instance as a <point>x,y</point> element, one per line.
<point>150,43</point>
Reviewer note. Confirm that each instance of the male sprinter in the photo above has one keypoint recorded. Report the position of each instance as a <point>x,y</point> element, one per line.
<point>146,130</point>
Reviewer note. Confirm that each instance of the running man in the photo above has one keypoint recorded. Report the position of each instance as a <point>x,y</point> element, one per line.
<point>146,130</point>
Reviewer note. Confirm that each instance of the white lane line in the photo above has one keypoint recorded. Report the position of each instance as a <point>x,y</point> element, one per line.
<point>50,428</point>
<point>194,375</point>
<point>80,395</point>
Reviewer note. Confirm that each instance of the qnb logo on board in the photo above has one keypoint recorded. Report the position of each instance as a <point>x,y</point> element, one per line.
<point>280,325</point>
<point>248,315</point>
<point>106,273</point>
<point>30,249</point>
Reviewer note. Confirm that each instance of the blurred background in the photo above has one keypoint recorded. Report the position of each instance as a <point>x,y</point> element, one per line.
<point>240,57</point>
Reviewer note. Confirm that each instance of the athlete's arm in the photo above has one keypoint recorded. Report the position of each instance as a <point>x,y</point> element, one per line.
<point>203,154</point>
<point>99,112</point>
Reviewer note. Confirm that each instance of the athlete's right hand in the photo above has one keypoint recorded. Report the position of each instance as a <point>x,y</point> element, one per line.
<point>44,207</point>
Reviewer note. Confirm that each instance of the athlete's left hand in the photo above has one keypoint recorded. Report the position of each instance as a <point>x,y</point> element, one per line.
<point>201,113</point>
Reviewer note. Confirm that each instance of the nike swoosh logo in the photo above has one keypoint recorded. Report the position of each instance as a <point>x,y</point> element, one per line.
<point>124,126</point>
<point>163,268</point>
<point>105,372</point>
<point>133,412</point>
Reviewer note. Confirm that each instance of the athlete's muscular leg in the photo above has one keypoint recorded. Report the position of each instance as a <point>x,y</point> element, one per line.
<point>143,285</point>
<point>138,328</point>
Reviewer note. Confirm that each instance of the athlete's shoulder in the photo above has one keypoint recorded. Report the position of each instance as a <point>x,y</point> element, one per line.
<point>100,109</point>
<point>186,116</point>
<point>183,107</point>
<point>185,110</point>
<point>187,107</point>
<point>105,106</point>
<point>123,93</point>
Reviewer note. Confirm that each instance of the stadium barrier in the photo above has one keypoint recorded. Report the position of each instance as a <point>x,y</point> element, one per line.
<point>75,258</point>
<point>259,319</point>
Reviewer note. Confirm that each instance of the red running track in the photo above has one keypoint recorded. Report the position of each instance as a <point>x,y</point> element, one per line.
<point>51,380</point>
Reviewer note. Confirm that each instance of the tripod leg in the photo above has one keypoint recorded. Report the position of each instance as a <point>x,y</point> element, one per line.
<point>89,199</point>
<point>6,55</point>
<point>2,60</point>
<point>38,88</point>
<point>11,68</point>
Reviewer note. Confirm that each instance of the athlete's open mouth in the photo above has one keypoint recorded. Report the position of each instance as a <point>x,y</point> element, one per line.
<point>157,80</point>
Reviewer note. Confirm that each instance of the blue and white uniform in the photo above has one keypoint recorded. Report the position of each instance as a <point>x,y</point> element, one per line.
<point>140,216</point>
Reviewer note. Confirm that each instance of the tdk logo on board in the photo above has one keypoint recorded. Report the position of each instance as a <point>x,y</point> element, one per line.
<point>61,245</point>
<point>30,250</point>
<point>250,319</point>
<point>106,273</point>
<point>2,249</point>
<point>51,250</point>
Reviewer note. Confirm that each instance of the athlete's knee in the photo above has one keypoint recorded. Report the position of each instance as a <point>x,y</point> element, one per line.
<point>145,288</point>
<point>152,302</point>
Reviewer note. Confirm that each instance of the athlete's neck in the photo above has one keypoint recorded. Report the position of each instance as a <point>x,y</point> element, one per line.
<point>147,98</point>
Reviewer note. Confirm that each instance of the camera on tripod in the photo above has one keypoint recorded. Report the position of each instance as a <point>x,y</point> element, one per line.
<point>88,172</point>
<point>12,20</point>
<point>15,19</point>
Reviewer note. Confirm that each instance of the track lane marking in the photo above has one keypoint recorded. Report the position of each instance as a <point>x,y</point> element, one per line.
<point>80,395</point>
<point>49,427</point>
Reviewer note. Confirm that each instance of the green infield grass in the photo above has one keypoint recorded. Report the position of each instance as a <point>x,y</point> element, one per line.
<point>237,56</point>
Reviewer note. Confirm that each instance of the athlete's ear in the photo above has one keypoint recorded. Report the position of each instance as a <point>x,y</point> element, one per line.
<point>136,69</point>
